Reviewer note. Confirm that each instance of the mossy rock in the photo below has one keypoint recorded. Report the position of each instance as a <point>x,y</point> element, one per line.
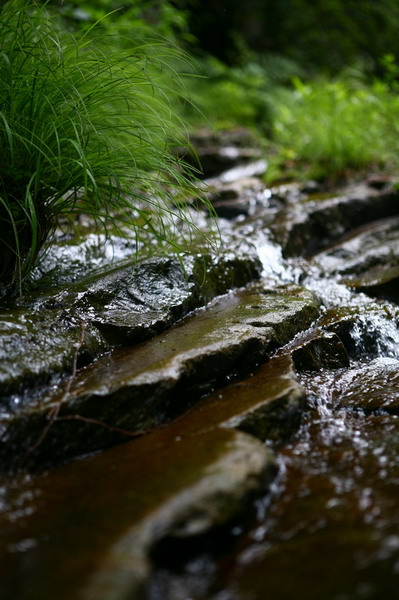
<point>138,388</point>
<point>41,336</point>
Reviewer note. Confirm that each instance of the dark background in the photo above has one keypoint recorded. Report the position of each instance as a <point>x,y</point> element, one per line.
<point>328,35</point>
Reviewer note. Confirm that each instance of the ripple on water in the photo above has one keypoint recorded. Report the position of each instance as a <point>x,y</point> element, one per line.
<point>333,530</point>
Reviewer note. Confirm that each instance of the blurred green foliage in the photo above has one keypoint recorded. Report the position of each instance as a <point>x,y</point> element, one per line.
<point>242,95</point>
<point>134,18</point>
<point>329,129</point>
<point>316,81</point>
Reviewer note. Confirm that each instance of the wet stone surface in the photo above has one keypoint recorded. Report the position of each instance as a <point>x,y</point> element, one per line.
<point>312,223</point>
<point>224,150</point>
<point>373,387</point>
<point>242,197</point>
<point>39,337</point>
<point>268,404</point>
<point>192,505</point>
<point>337,510</point>
<point>334,506</point>
<point>368,259</point>
<point>138,388</point>
<point>320,351</point>
<point>86,530</point>
<point>367,331</point>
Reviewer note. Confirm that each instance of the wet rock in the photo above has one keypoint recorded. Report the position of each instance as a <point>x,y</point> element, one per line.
<point>158,293</point>
<point>267,404</point>
<point>337,509</point>
<point>223,150</point>
<point>367,331</point>
<point>230,209</point>
<point>288,193</point>
<point>385,291</point>
<point>372,387</point>
<point>368,259</point>
<point>379,181</point>
<point>312,187</point>
<point>87,530</point>
<point>135,389</point>
<point>247,187</point>
<point>71,258</point>
<point>321,350</point>
<point>242,197</point>
<point>341,322</point>
<point>214,159</point>
<point>39,337</point>
<point>37,343</point>
<point>238,173</point>
<point>338,502</point>
<point>311,224</point>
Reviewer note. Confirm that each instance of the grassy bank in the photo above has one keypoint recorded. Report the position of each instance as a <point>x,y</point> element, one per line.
<point>90,117</point>
<point>331,130</point>
<point>85,127</point>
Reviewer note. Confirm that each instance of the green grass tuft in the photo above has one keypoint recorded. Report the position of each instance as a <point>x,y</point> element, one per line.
<point>85,129</point>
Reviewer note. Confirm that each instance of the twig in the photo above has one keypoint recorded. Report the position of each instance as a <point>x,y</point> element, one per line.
<point>54,412</point>
<point>105,425</point>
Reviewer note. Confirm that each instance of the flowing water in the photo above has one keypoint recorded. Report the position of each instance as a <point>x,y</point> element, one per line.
<point>330,527</point>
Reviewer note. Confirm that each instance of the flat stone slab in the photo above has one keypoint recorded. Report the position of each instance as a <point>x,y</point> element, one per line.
<point>373,387</point>
<point>86,530</point>
<point>124,305</point>
<point>138,388</point>
<point>268,404</point>
<point>315,221</point>
<point>160,292</point>
<point>367,259</point>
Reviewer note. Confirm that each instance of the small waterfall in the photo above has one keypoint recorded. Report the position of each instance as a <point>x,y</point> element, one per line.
<point>270,253</point>
<point>376,334</point>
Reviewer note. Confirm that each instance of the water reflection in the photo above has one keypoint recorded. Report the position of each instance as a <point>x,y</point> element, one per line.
<point>332,528</point>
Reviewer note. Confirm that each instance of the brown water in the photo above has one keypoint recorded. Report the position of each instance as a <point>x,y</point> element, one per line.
<point>330,528</point>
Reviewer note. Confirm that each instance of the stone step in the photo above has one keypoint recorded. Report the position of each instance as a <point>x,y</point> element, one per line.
<point>139,388</point>
<point>367,260</point>
<point>313,222</point>
<point>86,530</point>
<point>267,405</point>
<point>122,305</point>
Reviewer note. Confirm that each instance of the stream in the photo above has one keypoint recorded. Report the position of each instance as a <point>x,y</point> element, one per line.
<point>149,346</point>
<point>330,526</point>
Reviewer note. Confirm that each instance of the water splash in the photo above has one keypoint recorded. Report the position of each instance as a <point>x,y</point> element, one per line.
<point>376,334</point>
<point>271,256</point>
